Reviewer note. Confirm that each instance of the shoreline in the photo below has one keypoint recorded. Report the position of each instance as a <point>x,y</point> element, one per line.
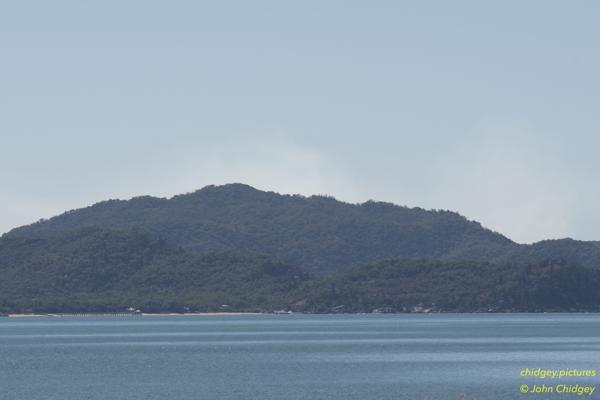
<point>206,314</point>
<point>234,314</point>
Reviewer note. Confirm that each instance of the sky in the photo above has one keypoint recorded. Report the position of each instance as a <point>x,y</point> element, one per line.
<point>489,109</point>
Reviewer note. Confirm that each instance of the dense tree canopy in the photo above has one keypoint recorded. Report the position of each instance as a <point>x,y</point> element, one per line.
<point>318,233</point>
<point>97,270</point>
<point>237,248</point>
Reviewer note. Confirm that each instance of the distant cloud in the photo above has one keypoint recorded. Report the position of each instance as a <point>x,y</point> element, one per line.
<point>507,178</point>
<point>269,162</point>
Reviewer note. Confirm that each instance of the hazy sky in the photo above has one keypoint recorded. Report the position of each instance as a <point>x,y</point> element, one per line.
<point>489,108</point>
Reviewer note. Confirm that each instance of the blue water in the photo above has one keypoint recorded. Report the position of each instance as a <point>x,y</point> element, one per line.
<point>345,357</point>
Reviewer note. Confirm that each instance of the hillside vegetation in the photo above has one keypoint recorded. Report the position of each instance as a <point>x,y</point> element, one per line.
<point>234,247</point>
<point>318,233</point>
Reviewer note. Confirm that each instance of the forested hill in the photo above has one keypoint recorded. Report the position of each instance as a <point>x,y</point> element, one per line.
<point>97,270</point>
<point>235,248</point>
<point>317,233</point>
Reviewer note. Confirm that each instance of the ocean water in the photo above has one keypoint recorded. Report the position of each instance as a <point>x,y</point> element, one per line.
<point>288,357</point>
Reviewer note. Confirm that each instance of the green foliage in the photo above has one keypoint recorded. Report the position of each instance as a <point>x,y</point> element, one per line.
<point>100,270</point>
<point>316,233</point>
<point>96,270</point>
<point>260,251</point>
<point>418,285</point>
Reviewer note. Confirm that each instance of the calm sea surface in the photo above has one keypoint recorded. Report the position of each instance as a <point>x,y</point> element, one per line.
<point>287,357</point>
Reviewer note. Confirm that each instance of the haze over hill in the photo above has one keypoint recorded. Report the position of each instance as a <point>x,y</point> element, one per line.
<point>251,249</point>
